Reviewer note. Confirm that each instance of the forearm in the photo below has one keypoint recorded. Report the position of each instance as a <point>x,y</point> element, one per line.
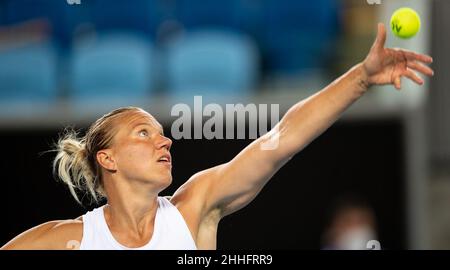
<point>310,117</point>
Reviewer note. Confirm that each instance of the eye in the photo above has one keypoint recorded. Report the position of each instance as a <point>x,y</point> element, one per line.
<point>143,133</point>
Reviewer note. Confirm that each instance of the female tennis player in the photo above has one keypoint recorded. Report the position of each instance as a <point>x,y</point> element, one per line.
<point>125,158</point>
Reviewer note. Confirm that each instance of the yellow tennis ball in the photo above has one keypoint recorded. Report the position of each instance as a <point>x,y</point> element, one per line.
<point>405,22</point>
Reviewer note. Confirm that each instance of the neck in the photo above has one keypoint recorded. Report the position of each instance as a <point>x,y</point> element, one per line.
<point>130,207</point>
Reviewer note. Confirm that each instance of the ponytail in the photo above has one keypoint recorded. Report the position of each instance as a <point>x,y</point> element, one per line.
<point>72,167</point>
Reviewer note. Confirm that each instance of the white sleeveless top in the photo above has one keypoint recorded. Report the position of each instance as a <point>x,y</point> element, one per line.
<point>170,231</point>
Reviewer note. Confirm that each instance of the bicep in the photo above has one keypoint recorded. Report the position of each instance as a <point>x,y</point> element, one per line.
<point>235,184</point>
<point>232,185</point>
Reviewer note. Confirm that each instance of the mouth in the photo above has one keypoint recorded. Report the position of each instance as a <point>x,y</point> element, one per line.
<point>165,159</point>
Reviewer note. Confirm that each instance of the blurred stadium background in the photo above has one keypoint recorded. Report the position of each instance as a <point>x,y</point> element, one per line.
<point>64,64</point>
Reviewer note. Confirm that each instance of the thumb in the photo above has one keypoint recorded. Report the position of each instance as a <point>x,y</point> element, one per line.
<point>381,36</point>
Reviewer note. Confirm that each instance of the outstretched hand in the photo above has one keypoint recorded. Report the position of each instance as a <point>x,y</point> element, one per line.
<point>387,66</point>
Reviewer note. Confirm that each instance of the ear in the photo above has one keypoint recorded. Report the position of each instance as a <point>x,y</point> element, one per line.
<point>106,159</point>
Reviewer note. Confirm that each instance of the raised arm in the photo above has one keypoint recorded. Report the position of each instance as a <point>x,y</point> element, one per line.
<point>231,186</point>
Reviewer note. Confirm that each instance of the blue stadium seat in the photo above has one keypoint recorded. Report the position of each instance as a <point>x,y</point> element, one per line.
<point>115,65</point>
<point>28,73</point>
<point>212,62</point>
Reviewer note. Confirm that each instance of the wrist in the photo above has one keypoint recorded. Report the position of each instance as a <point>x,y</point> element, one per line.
<point>363,78</point>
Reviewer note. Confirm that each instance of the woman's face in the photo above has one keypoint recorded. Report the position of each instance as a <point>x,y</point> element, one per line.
<point>140,150</point>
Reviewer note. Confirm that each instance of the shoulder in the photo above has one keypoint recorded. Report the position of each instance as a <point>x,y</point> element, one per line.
<point>58,234</point>
<point>193,194</point>
<point>196,187</point>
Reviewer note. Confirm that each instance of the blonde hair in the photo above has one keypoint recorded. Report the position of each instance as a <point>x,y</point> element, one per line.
<point>76,164</point>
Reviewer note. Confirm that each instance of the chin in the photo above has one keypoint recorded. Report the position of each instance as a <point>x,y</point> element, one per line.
<point>166,180</point>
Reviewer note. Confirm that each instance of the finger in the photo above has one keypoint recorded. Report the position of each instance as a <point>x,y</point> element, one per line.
<point>421,68</point>
<point>381,36</point>
<point>398,83</point>
<point>413,76</point>
<point>418,57</point>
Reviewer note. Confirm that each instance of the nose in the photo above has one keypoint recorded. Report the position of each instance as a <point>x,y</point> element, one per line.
<point>164,142</point>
